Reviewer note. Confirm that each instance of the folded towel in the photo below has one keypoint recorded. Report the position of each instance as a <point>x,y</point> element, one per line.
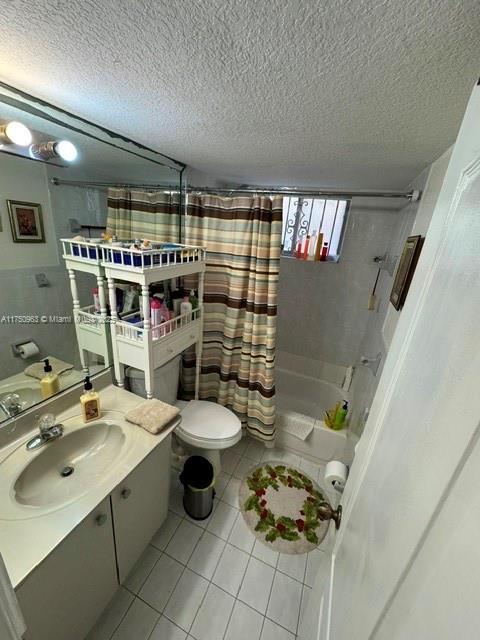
<point>153,415</point>
<point>35,370</point>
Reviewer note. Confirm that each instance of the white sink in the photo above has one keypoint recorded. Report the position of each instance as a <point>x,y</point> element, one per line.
<point>33,483</point>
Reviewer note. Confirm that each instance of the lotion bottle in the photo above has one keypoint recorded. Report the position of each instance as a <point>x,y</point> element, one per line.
<point>50,383</point>
<point>90,402</point>
<point>186,310</point>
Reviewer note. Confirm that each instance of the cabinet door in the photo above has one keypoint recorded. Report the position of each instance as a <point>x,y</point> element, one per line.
<point>140,505</point>
<point>66,593</point>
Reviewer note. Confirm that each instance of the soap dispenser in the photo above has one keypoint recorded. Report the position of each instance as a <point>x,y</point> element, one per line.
<point>50,383</point>
<point>90,401</point>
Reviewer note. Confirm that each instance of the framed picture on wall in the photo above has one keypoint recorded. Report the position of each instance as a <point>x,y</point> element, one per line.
<point>26,221</point>
<point>406,269</point>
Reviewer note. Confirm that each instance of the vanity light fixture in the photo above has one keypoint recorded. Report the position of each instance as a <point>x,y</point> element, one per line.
<point>15,133</point>
<point>54,149</point>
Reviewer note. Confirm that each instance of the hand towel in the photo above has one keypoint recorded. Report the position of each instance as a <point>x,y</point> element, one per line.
<point>153,415</point>
<point>35,370</point>
<point>12,624</point>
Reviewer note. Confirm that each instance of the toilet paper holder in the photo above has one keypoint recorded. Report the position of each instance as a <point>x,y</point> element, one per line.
<point>16,346</point>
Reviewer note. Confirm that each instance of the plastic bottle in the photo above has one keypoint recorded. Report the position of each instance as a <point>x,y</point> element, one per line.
<point>186,310</point>
<point>155,317</point>
<point>96,300</point>
<point>340,416</point>
<point>90,402</point>
<point>318,247</point>
<point>50,383</point>
<point>312,246</point>
<point>324,254</point>
<point>193,299</point>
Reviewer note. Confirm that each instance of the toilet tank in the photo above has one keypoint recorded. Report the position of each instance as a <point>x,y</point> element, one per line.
<point>165,382</point>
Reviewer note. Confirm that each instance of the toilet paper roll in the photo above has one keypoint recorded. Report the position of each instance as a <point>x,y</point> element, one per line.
<point>336,473</point>
<point>28,350</point>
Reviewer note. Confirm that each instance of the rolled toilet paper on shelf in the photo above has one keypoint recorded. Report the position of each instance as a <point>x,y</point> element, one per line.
<point>28,350</point>
<point>336,473</point>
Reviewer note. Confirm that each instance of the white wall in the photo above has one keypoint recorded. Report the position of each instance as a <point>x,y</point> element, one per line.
<point>414,220</point>
<point>322,306</point>
<point>25,180</point>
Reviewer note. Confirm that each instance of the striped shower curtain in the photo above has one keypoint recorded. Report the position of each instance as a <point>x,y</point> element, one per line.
<point>135,213</point>
<point>242,236</point>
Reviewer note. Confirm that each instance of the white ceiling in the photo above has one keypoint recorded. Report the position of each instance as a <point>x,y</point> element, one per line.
<point>356,93</point>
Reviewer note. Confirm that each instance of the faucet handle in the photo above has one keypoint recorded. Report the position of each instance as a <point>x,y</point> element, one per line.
<point>45,422</point>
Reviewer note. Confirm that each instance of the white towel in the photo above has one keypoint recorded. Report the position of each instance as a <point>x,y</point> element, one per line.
<point>296,424</point>
<point>12,624</point>
<point>36,370</point>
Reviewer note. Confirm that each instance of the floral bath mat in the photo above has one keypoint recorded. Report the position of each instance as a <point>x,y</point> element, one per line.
<point>280,505</point>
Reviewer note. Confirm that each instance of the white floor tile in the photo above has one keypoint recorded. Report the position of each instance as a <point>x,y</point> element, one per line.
<point>293,565</point>
<point>306,592</point>
<point>166,531</point>
<point>312,469</point>
<point>314,559</point>
<point>262,552</point>
<point>230,495</point>
<point>222,520</point>
<point>254,451</point>
<point>161,582</point>
<point>245,623</point>
<point>284,604</point>
<point>138,623</point>
<point>221,482</point>
<point>212,618</point>
<point>274,455</point>
<point>141,569</point>
<point>256,585</point>
<point>229,461</point>
<point>183,541</point>
<point>240,447</point>
<point>231,569</point>
<point>291,459</point>
<point>186,599</point>
<point>206,555</point>
<point>166,630</point>
<point>243,468</point>
<point>272,631</point>
<point>175,502</point>
<point>111,616</point>
<point>241,536</point>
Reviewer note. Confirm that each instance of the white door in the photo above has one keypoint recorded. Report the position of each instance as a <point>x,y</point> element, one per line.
<point>406,561</point>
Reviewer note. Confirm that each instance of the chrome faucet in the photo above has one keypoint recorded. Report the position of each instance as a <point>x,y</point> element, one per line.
<point>48,431</point>
<point>11,404</point>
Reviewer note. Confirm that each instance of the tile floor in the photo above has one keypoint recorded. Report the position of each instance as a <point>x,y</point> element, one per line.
<point>212,580</point>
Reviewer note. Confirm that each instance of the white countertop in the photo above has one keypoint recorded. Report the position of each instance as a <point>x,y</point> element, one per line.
<point>25,543</point>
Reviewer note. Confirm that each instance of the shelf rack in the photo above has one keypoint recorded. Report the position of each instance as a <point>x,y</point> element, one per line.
<point>92,328</point>
<point>136,342</point>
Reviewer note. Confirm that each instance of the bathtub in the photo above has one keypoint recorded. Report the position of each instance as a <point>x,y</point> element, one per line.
<point>308,398</point>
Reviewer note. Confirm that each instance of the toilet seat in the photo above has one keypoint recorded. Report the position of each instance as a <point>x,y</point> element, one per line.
<point>208,425</point>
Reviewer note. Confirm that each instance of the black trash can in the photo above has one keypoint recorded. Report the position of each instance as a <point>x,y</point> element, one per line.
<point>198,478</point>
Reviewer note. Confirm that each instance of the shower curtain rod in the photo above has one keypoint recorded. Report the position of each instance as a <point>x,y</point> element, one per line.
<point>264,190</point>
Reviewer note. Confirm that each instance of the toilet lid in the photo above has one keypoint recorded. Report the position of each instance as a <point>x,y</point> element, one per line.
<point>209,421</point>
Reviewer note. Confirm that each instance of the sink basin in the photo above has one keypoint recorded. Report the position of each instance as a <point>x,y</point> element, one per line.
<point>60,471</point>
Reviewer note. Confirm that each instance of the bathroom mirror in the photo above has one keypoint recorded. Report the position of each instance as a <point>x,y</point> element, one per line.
<point>55,174</point>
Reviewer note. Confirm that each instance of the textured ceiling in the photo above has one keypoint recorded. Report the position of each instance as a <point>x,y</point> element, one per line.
<point>363,93</point>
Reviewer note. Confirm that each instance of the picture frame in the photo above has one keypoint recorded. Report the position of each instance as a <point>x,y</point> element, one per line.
<point>26,221</point>
<point>405,270</point>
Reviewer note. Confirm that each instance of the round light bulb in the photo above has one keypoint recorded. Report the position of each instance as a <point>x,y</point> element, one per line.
<point>66,150</point>
<point>18,133</point>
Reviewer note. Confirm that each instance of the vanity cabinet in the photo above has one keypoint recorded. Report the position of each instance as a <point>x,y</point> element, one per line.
<point>64,595</point>
<point>139,506</point>
<point>62,598</point>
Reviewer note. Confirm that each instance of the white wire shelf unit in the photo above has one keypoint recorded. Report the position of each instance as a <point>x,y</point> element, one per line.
<point>92,325</point>
<point>135,342</point>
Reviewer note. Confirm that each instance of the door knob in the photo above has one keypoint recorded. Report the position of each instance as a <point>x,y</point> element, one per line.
<point>101,519</point>
<point>325,512</point>
<point>126,493</point>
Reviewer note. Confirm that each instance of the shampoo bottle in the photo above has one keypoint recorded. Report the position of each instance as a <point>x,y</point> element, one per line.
<point>186,310</point>
<point>155,316</point>
<point>340,416</point>
<point>90,402</point>
<point>50,383</point>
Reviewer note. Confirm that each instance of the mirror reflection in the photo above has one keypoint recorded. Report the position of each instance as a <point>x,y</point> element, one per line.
<point>56,174</point>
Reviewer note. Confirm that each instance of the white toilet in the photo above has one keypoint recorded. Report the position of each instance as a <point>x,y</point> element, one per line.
<point>206,427</point>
